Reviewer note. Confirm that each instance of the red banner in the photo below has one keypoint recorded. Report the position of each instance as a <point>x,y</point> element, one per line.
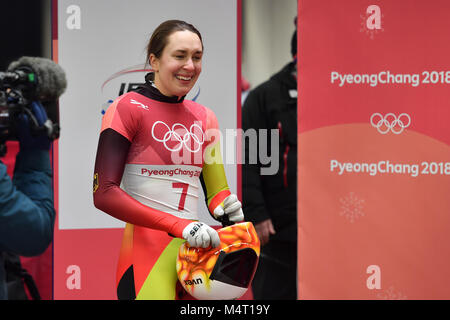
<point>374,156</point>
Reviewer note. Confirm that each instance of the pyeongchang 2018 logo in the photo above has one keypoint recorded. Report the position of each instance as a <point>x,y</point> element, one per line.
<point>372,21</point>
<point>127,80</point>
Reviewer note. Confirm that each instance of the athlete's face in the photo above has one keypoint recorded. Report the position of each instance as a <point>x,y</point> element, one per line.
<point>180,64</point>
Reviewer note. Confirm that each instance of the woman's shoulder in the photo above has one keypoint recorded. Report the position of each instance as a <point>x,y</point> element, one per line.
<point>193,105</point>
<point>131,101</point>
<point>129,97</point>
<point>204,113</point>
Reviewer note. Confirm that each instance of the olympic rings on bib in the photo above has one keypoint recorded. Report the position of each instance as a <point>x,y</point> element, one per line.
<point>182,135</point>
<point>390,122</point>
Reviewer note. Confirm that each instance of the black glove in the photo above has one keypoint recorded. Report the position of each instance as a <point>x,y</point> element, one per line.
<point>31,130</point>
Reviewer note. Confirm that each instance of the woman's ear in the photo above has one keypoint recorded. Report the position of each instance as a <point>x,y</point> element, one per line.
<point>154,62</point>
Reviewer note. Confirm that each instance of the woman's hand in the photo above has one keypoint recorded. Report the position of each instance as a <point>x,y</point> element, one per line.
<point>232,207</point>
<point>201,235</point>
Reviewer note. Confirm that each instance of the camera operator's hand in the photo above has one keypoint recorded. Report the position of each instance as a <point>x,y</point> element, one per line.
<point>28,135</point>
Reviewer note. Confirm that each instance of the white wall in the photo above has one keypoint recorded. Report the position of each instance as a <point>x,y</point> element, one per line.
<point>267,28</point>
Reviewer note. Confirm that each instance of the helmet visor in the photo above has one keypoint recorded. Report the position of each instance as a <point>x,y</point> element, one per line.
<point>235,268</point>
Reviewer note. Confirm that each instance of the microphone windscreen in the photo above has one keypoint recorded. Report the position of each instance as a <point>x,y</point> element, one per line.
<point>51,78</point>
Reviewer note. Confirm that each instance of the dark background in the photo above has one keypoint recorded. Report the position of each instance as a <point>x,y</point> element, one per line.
<point>25,29</point>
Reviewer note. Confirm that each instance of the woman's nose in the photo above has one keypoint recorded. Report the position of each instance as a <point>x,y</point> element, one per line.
<point>189,65</point>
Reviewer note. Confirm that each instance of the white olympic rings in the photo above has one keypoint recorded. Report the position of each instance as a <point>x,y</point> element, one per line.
<point>390,122</point>
<point>183,136</point>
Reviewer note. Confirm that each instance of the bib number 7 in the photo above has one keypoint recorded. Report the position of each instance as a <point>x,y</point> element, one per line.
<point>184,187</point>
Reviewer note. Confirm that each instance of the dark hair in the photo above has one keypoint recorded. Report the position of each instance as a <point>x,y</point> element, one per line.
<point>158,40</point>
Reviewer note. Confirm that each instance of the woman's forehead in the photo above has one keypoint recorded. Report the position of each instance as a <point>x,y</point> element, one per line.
<point>185,41</point>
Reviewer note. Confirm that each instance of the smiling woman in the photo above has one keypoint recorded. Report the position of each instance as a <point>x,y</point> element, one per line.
<point>150,130</point>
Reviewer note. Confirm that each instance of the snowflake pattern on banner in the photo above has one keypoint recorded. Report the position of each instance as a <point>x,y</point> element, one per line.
<point>391,294</point>
<point>352,207</point>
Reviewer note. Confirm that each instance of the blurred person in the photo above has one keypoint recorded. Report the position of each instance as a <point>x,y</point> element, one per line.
<point>245,89</point>
<point>27,213</point>
<point>151,164</point>
<point>270,201</point>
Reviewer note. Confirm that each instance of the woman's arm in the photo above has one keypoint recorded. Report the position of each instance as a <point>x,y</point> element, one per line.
<point>110,161</point>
